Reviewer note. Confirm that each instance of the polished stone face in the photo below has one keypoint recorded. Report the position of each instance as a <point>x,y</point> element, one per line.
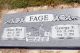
<point>51,28</point>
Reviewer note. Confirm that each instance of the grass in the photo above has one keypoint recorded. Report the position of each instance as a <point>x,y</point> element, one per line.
<point>11,4</point>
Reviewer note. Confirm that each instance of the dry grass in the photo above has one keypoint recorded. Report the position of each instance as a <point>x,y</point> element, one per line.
<point>37,51</point>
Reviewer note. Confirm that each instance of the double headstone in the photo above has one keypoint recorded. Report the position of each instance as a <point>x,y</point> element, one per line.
<point>51,28</point>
